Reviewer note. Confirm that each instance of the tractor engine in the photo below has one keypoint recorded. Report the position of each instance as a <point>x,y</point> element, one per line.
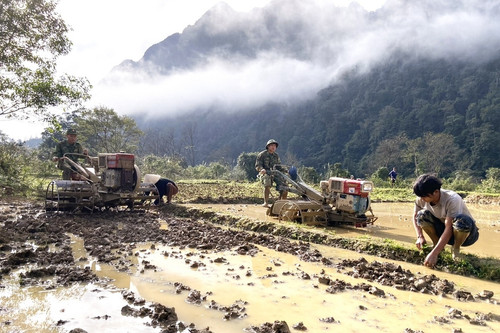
<point>117,172</point>
<point>347,195</point>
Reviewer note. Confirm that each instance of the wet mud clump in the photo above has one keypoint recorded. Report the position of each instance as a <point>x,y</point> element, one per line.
<point>389,274</point>
<point>234,311</point>
<point>276,327</point>
<point>161,316</point>
<point>31,241</point>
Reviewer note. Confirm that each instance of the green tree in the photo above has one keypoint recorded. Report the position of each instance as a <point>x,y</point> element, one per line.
<point>246,163</point>
<point>21,172</point>
<point>463,180</point>
<point>382,173</point>
<point>55,133</point>
<point>485,149</point>
<point>492,182</point>
<point>102,130</point>
<point>389,152</point>
<point>11,155</point>
<point>335,170</point>
<point>32,37</point>
<point>440,153</point>
<point>218,170</point>
<point>172,168</point>
<point>413,154</point>
<point>436,153</point>
<point>200,171</point>
<point>309,175</point>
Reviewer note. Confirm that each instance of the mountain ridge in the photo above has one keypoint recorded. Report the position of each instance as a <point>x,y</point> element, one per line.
<point>360,77</point>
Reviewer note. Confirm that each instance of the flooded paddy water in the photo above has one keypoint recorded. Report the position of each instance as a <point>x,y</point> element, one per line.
<point>232,292</point>
<point>395,223</point>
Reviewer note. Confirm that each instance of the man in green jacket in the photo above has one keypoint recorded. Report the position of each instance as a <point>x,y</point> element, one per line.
<point>73,150</point>
<point>266,161</point>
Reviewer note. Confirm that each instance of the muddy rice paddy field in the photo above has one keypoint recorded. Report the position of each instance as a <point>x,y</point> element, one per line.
<point>224,266</point>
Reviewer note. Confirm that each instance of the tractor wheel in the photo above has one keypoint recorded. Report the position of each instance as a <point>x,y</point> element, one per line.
<point>290,212</point>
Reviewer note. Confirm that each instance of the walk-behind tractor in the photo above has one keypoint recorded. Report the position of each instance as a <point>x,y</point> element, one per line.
<point>105,181</point>
<point>341,201</point>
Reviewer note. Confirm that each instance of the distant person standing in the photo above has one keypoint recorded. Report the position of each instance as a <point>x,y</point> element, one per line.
<point>393,174</point>
<point>265,162</point>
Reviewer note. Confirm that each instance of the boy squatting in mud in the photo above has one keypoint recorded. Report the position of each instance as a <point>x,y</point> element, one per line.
<point>444,217</point>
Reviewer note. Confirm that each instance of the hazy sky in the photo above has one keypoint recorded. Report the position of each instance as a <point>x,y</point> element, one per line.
<point>332,39</point>
<point>106,32</point>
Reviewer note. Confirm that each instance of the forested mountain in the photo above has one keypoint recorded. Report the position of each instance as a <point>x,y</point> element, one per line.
<point>357,123</point>
<point>420,105</point>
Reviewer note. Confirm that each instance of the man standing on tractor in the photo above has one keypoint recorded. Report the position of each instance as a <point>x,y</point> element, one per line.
<point>266,161</point>
<point>73,151</point>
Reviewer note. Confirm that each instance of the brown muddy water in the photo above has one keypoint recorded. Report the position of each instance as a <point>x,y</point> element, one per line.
<point>266,287</point>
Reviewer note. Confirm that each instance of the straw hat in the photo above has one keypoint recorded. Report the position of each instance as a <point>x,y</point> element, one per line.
<point>150,178</point>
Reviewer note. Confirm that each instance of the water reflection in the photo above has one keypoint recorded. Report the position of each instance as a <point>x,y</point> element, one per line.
<point>89,307</point>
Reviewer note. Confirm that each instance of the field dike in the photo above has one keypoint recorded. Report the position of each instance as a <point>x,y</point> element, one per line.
<point>470,266</point>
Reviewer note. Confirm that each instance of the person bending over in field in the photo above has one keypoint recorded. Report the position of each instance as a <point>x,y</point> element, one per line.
<point>444,217</point>
<point>166,187</point>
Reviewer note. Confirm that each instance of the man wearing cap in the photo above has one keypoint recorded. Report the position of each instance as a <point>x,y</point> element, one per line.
<point>266,161</point>
<point>73,151</point>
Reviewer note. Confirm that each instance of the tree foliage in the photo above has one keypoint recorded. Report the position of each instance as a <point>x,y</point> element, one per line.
<point>420,116</point>
<point>21,171</point>
<point>246,163</point>
<point>102,130</point>
<point>159,142</point>
<point>55,132</point>
<point>492,181</point>
<point>32,37</point>
<point>309,175</point>
<point>336,170</point>
<point>171,168</point>
<point>391,151</point>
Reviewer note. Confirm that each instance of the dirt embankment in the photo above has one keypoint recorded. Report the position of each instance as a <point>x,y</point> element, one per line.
<point>28,237</point>
<point>483,199</point>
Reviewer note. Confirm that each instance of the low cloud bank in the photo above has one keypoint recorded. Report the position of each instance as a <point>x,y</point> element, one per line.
<point>329,41</point>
